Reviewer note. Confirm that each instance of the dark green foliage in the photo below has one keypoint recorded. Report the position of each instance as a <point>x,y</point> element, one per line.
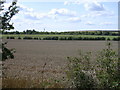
<point>30,32</point>
<point>8,38</point>
<point>80,71</point>
<point>35,38</point>
<point>85,38</point>
<point>107,71</point>
<point>54,38</point>
<point>47,38</point>
<point>40,38</point>
<point>62,38</point>
<point>103,38</point>
<point>70,38</point>
<point>50,38</point>
<point>79,38</point>
<point>19,37</point>
<point>29,38</point>
<point>6,18</point>
<point>5,25</point>
<point>6,53</point>
<point>102,73</point>
<point>108,39</point>
<point>108,33</point>
<point>11,37</point>
<point>116,39</point>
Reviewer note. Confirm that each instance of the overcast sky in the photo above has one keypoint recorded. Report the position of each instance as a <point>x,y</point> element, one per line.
<point>65,15</point>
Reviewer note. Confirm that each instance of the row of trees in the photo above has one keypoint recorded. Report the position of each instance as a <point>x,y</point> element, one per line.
<point>113,33</point>
<point>65,38</point>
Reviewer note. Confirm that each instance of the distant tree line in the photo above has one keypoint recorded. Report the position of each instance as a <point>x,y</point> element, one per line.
<point>111,33</point>
<point>63,38</point>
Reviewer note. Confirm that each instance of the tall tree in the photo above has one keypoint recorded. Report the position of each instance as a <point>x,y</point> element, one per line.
<point>5,19</point>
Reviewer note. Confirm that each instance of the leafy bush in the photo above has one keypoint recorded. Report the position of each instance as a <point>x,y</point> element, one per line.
<point>107,71</point>
<point>70,38</point>
<point>108,39</point>
<point>35,38</point>
<point>54,38</point>
<point>103,73</point>
<point>50,38</point>
<point>40,38</point>
<point>79,38</point>
<point>116,39</point>
<point>66,38</point>
<point>103,38</point>
<point>8,37</point>
<point>47,38</point>
<point>62,38</point>
<point>79,71</point>
<point>6,53</point>
<point>28,38</point>
<point>19,37</point>
<point>11,37</point>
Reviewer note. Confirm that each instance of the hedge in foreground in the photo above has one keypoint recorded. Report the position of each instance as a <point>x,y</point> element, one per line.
<point>102,73</point>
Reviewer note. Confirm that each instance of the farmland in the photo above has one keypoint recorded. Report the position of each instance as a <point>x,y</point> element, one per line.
<point>73,35</point>
<point>69,50</point>
<point>38,35</point>
<point>61,37</point>
<point>31,55</point>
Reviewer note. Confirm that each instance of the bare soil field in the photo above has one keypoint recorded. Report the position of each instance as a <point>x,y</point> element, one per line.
<point>31,55</point>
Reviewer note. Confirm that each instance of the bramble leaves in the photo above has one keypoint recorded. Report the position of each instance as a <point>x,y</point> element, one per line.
<point>104,73</point>
<point>5,25</point>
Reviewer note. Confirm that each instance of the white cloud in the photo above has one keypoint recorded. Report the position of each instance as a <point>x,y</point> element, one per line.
<point>15,18</point>
<point>24,8</point>
<point>97,10</point>
<point>21,7</point>
<point>66,3</point>
<point>98,14</point>
<point>26,12</point>
<point>104,13</point>
<point>62,12</point>
<point>89,23</point>
<point>30,14</point>
<point>34,15</point>
<point>106,23</point>
<point>69,2</point>
<point>65,0</point>
<point>6,5</point>
<point>72,2</point>
<point>94,6</point>
<point>74,19</point>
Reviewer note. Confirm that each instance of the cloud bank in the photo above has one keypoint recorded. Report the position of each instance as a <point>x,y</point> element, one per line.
<point>94,6</point>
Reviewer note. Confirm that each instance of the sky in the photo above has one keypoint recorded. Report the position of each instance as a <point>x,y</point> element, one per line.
<point>65,15</point>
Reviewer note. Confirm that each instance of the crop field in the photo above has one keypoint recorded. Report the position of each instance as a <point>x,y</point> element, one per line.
<point>31,56</point>
<point>43,36</point>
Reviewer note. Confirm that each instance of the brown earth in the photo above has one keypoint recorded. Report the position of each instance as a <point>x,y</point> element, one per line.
<point>31,55</point>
